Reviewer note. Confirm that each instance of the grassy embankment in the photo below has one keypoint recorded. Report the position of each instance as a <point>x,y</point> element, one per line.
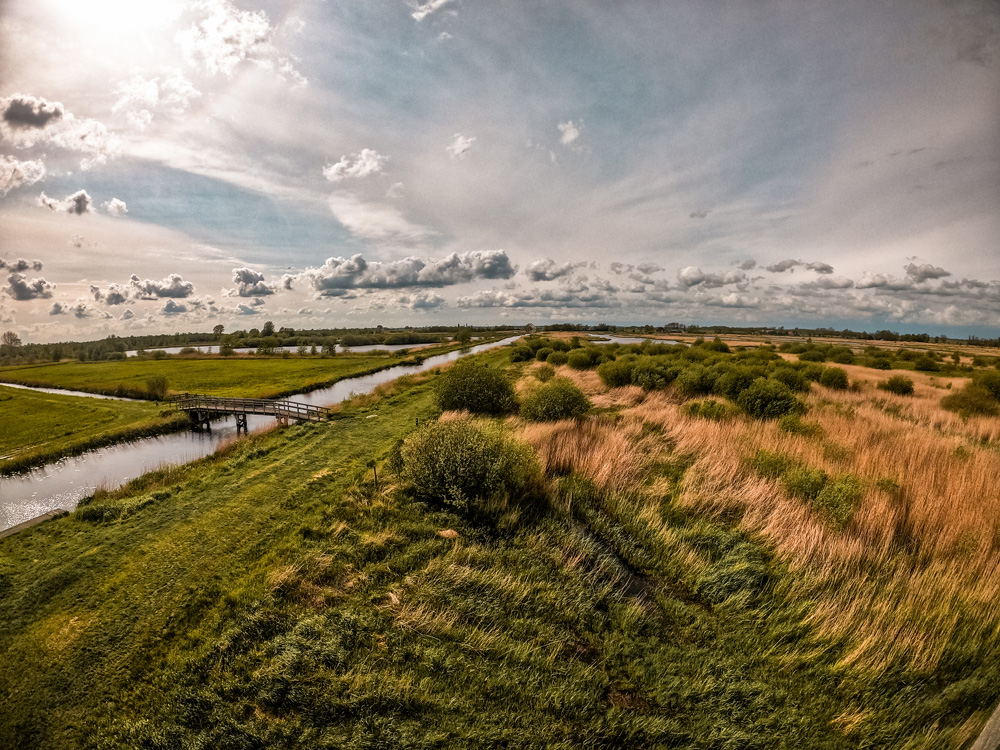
<point>41,427</point>
<point>246,377</point>
<point>270,596</point>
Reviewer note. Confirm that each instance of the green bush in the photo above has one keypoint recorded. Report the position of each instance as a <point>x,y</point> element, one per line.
<point>793,424</point>
<point>878,363</point>
<point>557,358</point>
<point>696,380</point>
<point>545,373</point>
<point>543,354</point>
<point>813,371</point>
<point>579,359</point>
<point>475,388</point>
<point>768,399</point>
<point>616,373</point>
<point>521,354</point>
<point>468,465</point>
<point>156,386</point>
<point>653,374</point>
<point>812,355</point>
<point>925,363</point>
<point>835,378</point>
<point>734,381</point>
<point>791,377</point>
<point>708,409</point>
<point>989,381</point>
<point>717,345</point>
<point>839,497</point>
<point>769,463</point>
<point>973,400</point>
<point>559,399</point>
<point>898,384</point>
<point>841,355</point>
<point>804,482</point>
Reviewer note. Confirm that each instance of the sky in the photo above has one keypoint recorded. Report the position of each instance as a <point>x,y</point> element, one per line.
<point>177,165</point>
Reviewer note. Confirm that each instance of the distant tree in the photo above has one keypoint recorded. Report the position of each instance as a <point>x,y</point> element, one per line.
<point>268,329</point>
<point>463,336</point>
<point>218,329</point>
<point>11,339</point>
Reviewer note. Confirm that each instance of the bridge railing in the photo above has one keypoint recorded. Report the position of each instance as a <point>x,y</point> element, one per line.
<point>223,405</point>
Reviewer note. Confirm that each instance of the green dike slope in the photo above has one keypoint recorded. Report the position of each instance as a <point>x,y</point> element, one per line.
<point>271,597</point>
<point>40,427</point>
<point>243,377</point>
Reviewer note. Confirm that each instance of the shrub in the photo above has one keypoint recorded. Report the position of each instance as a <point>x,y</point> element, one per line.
<point>476,388</point>
<point>793,424</point>
<point>579,359</point>
<point>989,381</point>
<point>925,363</point>
<point>972,400</point>
<point>878,363</point>
<point>768,399</point>
<point>841,355</point>
<point>559,399</point>
<point>616,373</point>
<point>545,373</point>
<point>557,358</point>
<point>812,355</point>
<point>803,482</point>
<point>898,384</point>
<point>521,354</point>
<point>469,466</point>
<point>652,374</point>
<point>717,345</point>
<point>794,379</point>
<point>813,371</point>
<point>734,381</point>
<point>709,409</point>
<point>834,377</point>
<point>769,463</point>
<point>696,380</point>
<point>542,354</point>
<point>839,497</point>
<point>156,386</point>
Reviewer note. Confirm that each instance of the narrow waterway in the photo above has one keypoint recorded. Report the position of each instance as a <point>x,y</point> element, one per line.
<point>64,483</point>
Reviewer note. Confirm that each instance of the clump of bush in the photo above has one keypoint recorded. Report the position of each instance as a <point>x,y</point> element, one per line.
<point>926,363</point>
<point>973,400</point>
<point>768,399</point>
<point>545,373</point>
<point>696,380</point>
<point>579,359</point>
<point>558,399</point>
<point>708,409</point>
<point>468,386</point>
<point>793,378</point>
<point>990,382</point>
<point>470,466</point>
<point>543,354</point>
<point>617,373</point>
<point>898,384</point>
<point>770,464</point>
<point>839,497</point>
<point>834,378</point>
<point>804,482</point>
<point>793,424</point>
<point>156,387</point>
<point>557,358</point>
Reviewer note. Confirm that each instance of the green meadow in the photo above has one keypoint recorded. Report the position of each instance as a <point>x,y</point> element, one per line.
<point>246,377</point>
<point>40,427</point>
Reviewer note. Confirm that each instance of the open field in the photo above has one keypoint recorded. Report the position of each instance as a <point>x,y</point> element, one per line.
<point>40,427</point>
<point>247,377</point>
<point>673,587</point>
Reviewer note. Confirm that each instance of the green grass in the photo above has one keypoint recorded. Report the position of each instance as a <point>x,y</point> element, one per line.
<point>39,427</point>
<point>247,377</point>
<point>269,596</point>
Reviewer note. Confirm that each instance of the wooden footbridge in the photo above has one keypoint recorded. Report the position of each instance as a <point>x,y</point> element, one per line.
<point>202,409</point>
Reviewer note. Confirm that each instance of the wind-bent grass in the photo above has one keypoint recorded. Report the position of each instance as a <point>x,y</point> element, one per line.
<point>40,427</point>
<point>238,377</point>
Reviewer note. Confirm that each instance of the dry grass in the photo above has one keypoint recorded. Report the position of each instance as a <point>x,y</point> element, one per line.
<point>916,567</point>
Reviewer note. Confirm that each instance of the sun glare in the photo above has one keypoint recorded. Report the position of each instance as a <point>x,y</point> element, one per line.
<point>110,18</point>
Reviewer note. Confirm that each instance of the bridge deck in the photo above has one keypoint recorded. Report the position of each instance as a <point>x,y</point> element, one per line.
<point>217,405</point>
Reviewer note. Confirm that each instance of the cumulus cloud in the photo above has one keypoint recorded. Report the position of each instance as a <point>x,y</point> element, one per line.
<point>698,214</point>
<point>422,10</point>
<point>783,265</point>
<point>374,221</point>
<point>78,203</point>
<point>339,275</point>
<point>547,270</point>
<point>250,283</point>
<point>570,132</point>
<point>244,309</point>
<point>460,146</point>
<point>20,265</point>
<point>174,308</point>
<point>748,265</point>
<point>422,301</point>
<point>172,286</point>
<point>366,162</point>
<point>22,111</point>
<point>925,271</point>
<point>828,282</point>
<point>20,288</point>
<point>620,268</point>
<point>139,98</point>
<point>226,36</point>
<point>649,268</point>
<point>127,315</point>
<point>115,207</point>
<point>535,298</point>
<point>819,267</point>
<point>692,276</point>
<point>14,173</point>
<point>57,309</point>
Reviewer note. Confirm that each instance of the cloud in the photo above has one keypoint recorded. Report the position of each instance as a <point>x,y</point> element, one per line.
<point>924,272</point>
<point>534,298</point>
<point>20,265</point>
<point>172,286</point>
<point>692,276</point>
<point>115,294</point>
<point>115,207</point>
<point>698,214</point>
<point>819,267</point>
<point>245,309</point>
<point>374,221</point>
<point>250,283</point>
<point>460,146</point>
<point>14,173</point>
<point>174,308</point>
<point>828,282</point>
<point>139,98</point>
<point>620,268</point>
<point>649,268</point>
<point>423,301</point>
<point>362,164</point>
<point>338,275</point>
<point>783,265</point>
<point>226,36</point>
<point>22,111</point>
<point>883,281</point>
<point>20,288</point>
<point>570,132</point>
<point>127,315</point>
<point>421,11</point>
<point>57,309</point>
<point>547,270</point>
<point>78,203</point>
<point>747,265</point>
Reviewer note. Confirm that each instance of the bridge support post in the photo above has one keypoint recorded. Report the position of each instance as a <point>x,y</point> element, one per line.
<point>241,424</point>
<point>200,421</point>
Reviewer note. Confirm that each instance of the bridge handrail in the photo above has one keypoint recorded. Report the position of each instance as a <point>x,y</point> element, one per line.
<point>187,401</point>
